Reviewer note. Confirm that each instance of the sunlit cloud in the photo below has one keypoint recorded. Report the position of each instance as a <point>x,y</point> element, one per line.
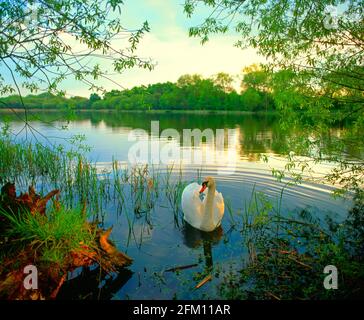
<point>179,56</point>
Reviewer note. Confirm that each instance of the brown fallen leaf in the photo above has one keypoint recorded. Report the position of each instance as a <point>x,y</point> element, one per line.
<point>85,256</point>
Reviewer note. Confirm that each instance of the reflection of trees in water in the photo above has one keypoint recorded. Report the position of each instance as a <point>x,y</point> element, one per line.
<point>86,285</point>
<point>194,238</point>
<point>259,133</point>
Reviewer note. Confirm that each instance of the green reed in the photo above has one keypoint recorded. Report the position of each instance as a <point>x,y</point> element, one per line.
<point>135,191</point>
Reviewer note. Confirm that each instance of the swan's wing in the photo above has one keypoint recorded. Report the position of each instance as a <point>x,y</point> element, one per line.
<point>219,199</point>
<point>191,203</point>
<point>219,207</point>
<point>191,190</point>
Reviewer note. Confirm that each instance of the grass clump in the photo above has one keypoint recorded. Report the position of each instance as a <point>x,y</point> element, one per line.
<point>51,237</point>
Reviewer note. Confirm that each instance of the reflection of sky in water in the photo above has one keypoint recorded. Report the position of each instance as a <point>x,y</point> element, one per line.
<point>156,243</point>
<point>237,170</point>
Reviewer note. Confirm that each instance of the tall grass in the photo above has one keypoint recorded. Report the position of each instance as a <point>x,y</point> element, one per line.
<point>25,163</point>
<point>133,190</point>
<point>174,189</point>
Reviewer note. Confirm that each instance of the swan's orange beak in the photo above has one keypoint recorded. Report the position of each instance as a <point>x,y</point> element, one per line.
<point>204,186</point>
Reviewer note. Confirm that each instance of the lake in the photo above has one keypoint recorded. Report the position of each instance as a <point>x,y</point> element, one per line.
<point>159,239</point>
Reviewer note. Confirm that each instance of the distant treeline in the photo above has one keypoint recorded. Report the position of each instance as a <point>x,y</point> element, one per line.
<point>190,92</point>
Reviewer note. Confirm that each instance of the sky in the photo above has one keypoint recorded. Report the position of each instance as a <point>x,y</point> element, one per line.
<point>170,48</point>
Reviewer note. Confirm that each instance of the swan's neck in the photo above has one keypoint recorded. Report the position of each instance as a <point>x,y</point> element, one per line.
<point>208,217</point>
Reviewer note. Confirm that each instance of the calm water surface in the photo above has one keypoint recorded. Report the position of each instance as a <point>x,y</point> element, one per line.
<point>157,241</point>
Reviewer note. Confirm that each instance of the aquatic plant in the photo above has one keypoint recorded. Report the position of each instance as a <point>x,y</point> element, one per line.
<point>288,255</point>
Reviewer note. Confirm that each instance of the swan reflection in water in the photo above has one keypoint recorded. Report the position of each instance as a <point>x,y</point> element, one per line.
<point>194,238</point>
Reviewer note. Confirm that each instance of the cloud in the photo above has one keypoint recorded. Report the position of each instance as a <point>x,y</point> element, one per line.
<point>183,55</point>
<point>170,47</point>
<point>186,55</point>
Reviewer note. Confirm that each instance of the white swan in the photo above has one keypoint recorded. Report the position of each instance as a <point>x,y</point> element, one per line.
<point>206,214</point>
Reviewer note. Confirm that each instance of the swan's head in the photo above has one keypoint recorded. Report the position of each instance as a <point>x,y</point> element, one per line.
<point>208,182</point>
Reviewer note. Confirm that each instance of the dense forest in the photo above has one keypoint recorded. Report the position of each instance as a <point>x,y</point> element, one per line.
<point>190,92</point>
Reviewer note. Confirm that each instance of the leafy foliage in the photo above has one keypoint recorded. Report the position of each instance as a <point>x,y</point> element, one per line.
<point>314,71</point>
<point>190,92</point>
<point>44,42</point>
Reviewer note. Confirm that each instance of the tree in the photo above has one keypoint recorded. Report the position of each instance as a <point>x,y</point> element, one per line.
<point>43,42</point>
<point>315,53</point>
<point>322,41</point>
<point>188,79</point>
<point>93,98</point>
<point>258,79</point>
<point>255,77</point>
<point>252,100</point>
<point>191,92</point>
<point>224,81</point>
<point>78,103</point>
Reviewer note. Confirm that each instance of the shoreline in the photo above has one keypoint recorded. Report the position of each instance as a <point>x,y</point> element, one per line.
<point>210,112</point>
